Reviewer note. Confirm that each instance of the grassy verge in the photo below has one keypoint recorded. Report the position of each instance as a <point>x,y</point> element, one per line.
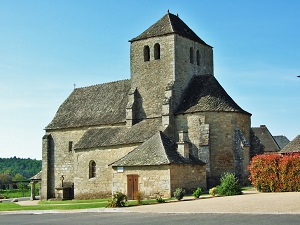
<point>15,207</point>
<point>15,193</point>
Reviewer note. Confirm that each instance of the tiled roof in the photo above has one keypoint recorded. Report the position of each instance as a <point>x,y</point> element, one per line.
<point>204,93</point>
<point>169,24</point>
<point>111,136</point>
<point>158,150</point>
<point>266,138</point>
<point>293,146</point>
<point>281,140</point>
<point>94,105</point>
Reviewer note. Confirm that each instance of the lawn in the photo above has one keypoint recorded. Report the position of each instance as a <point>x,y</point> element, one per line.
<point>68,205</point>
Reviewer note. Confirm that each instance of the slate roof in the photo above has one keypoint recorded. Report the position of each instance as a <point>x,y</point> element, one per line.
<point>169,24</point>
<point>266,138</point>
<point>38,176</point>
<point>204,93</point>
<point>111,136</point>
<point>158,150</point>
<point>293,146</point>
<point>94,105</point>
<point>281,140</point>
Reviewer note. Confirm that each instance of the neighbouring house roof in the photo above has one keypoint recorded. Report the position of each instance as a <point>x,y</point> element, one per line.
<point>169,24</point>
<point>281,140</point>
<point>204,93</point>
<point>266,138</point>
<point>158,150</point>
<point>111,136</point>
<point>95,105</point>
<point>293,146</point>
<point>38,176</point>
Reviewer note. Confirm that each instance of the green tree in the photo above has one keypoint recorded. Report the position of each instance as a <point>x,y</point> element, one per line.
<point>18,177</point>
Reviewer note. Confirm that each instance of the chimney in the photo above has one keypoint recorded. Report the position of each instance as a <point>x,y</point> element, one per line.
<point>183,145</point>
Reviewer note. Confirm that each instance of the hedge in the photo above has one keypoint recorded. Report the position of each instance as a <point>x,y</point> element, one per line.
<point>275,173</point>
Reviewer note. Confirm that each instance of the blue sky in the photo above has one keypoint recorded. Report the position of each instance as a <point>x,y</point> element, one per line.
<point>47,46</point>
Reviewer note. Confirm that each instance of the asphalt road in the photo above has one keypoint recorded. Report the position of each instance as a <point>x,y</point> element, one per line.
<point>150,218</point>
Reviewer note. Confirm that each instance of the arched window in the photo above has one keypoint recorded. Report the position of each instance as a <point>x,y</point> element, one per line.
<point>191,55</point>
<point>92,169</point>
<point>198,57</point>
<point>156,51</point>
<point>146,53</point>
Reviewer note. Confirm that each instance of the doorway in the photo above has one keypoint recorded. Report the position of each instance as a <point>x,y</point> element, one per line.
<point>132,185</point>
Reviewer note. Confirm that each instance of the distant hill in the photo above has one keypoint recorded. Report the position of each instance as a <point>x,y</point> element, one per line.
<point>26,167</point>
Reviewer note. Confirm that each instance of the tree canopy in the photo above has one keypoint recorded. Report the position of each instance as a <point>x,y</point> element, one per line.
<point>18,166</point>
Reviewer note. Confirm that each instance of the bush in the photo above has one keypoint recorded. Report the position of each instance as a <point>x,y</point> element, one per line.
<point>139,197</point>
<point>160,200</point>
<point>197,192</point>
<point>229,185</point>
<point>213,191</point>
<point>118,200</point>
<point>179,193</point>
<point>275,173</point>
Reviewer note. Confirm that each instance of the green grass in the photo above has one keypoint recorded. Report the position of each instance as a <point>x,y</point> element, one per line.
<point>69,204</point>
<point>15,193</point>
<point>15,207</point>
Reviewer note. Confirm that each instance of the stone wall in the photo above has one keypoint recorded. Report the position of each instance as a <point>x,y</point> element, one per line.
<point>188,177</point>
<point>153,180</point>
<point>151,77</point>
<point>184,70</point>
<point>58,159</point>
<point>102,183</point>
<point>221,138</point>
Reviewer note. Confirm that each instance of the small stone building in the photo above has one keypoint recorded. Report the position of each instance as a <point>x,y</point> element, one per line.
<point>170,125</point>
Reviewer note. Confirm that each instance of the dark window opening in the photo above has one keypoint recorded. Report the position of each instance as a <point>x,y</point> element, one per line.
<point>146,53</point>
<point>191,55</point>
<point>70,146</point>
<point>92,169</point>
<point>156,51</point>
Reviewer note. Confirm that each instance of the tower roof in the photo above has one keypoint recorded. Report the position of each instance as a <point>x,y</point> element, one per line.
<point>169,24</point>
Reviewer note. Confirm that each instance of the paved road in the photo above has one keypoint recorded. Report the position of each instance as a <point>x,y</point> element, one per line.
<point>149,219</point>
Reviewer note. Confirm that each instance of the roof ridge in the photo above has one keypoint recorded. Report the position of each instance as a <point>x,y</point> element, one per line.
<point>110,82</point>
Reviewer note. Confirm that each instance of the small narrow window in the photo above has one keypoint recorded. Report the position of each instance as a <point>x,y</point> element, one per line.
<point>156,51</point>
<point>191,55</point>
<point>198,58</point>
<point>70,146</point>
<point>146,53</point>
<point>92,169</point>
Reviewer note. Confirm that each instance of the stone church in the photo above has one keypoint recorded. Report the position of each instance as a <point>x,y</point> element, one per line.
<point>170,125</point>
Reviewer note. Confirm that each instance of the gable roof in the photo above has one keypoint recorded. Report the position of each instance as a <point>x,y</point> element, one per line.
<point>293,146</point>
<point>204,93</point>
<point>281,140</point>
<point>158,150</point>
<point>38,176</point>
<point>94,105</point>
<point>112,136</point>
<point>169,24</point>
<point>266,138</point>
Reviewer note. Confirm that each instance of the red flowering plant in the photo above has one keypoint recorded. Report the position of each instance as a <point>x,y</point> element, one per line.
<point>275,173</point>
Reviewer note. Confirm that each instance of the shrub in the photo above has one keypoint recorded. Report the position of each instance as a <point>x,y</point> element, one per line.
<point>160,200</point>
<point>118,200</point>
<point>229,185</point>
<point>197,192</point>
<point>213,191</point>
<point>275,173</point>
<point>179,193</point>
<point>139,197</point>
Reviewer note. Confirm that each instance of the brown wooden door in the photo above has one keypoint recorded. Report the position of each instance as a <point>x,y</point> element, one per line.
<point>132,185</point>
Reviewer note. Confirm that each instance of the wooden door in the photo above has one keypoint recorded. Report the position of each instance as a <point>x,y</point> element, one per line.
<point>132,185</point>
